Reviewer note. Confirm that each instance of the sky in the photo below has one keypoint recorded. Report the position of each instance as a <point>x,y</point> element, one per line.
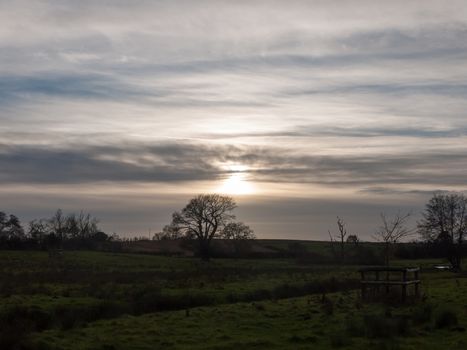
<point>300,110</point>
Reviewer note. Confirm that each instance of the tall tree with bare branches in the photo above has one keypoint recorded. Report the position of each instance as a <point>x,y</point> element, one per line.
<point>204,218</point>
<point>444,223</point>
<point>340,237</point>
<point>393,230</point>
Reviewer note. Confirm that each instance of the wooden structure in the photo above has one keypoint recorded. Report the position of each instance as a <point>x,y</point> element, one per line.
<point>376,278</point>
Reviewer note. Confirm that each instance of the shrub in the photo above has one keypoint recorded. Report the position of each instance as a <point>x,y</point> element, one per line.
<point>376,326</point>
<point>445,318</point>
<point>379,326</point>
<point>327,305</point>
<point>152,301</point>
<point>17,320</point>
<point>422,313</point>
<point>401,325</point>
<point>25,317</point>
<point>354,327</point>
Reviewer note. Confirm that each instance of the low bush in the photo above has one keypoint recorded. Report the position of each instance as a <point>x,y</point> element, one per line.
<point>154,300</point>
<point>445,318</point>
<point>380,326</point>
<point>327,305</point>
<point>17,320</point>
<point>422,314</point>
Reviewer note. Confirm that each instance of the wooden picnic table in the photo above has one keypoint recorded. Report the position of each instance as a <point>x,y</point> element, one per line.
<point>377,277</point>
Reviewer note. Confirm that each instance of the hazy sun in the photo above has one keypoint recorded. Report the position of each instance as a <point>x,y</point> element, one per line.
<point>236,183</point>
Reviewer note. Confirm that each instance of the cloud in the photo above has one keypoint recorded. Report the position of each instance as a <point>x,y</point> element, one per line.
<point>165,163</point>
<point>175,162</point>
<point>305,131</point>
<point>365,97</point>
<point>80,86</point>
<point>399,191</point>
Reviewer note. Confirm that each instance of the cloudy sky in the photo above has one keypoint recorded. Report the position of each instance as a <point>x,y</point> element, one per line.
<point>302,110</point>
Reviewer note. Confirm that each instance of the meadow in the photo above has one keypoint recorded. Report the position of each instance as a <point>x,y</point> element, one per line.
<point>103,300</point>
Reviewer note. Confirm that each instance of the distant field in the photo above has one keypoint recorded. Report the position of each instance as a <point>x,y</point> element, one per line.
<point>95,300</point>
<point>257,247</point>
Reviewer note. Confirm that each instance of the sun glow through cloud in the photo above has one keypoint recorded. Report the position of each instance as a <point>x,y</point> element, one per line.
<point>236,183</point>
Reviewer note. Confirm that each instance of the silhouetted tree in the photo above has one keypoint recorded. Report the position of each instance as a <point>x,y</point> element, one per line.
<point>38,229</point>
<point>444,223</point>
<point>87,225</point>
<point>237,231</point>
<point>392,231</point>
<point>240,235</point>
<point>99,236</point>
<point>353,239</point>
<point>79,231</point>
<point>10,227</point>
<point>3,220</point>
<point>57,225</point>
<point>76,230</point>
<point>71,227</point>
<point>204,218</point>
<point>340,237</point>
<point>169,232</point>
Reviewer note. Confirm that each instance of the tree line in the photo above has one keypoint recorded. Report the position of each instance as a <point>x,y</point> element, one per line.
<point>70,230</point>
<point>206,217</point>
<point>442,228</point>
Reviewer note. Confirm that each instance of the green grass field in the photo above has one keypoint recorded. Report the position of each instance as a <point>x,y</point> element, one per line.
<point>96,300</point>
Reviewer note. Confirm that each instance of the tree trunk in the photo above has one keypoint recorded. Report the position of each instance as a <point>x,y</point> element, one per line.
<point>455,253</point>
<point>342,251</point>
<point>204,250</point>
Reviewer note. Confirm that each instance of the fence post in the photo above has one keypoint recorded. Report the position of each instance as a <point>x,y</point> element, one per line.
<point>363,285</point>
<point>417,282</point>
<point>404,285</point>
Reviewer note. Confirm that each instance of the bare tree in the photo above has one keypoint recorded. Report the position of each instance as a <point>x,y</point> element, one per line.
<point>87,224</point>
<point>333,249</point>
<point>71,226</point>
<point>340,237</point>
<point>240,236</point>
<point>393,230</point>
<point>353,239</point>
<point>38,229</point>
<point>237,231</point>
<point>57,224</point>
<point>445,223</point>
<point>204,218</point>
<point>10,226</point>
<point>169,232</point>
<point>342,234</point>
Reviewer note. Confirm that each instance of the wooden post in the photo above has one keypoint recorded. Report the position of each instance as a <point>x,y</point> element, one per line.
<point>404,285</point>
<point>387,280</point>
<point>363,285</point>
<point>377,285</point>
<point>417,290</point>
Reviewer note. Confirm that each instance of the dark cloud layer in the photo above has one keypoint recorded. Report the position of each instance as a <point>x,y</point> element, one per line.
<point>174,162</point>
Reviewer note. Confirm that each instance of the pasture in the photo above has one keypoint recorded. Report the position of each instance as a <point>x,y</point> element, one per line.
<point>99,300</point>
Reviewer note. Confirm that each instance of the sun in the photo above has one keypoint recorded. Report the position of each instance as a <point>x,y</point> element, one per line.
<point>236,183</point>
